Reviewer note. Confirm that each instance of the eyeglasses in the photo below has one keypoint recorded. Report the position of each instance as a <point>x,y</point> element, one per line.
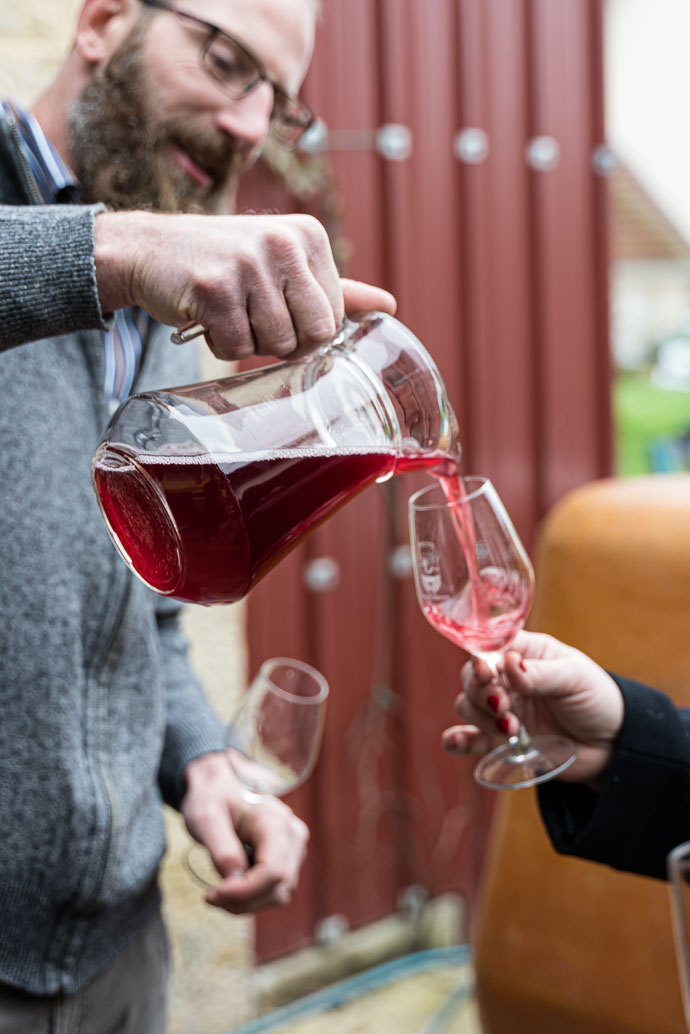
<point>237,71</point>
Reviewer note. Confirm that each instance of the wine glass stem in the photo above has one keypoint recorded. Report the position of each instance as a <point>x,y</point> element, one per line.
<point>521,743</point>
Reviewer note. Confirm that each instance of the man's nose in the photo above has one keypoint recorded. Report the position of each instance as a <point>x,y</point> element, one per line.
<point>247,120</point>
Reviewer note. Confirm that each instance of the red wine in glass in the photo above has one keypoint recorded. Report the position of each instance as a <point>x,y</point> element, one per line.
<point>482,629</point>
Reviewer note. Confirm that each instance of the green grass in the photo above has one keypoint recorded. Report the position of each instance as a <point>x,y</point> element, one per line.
<point>643,413</point>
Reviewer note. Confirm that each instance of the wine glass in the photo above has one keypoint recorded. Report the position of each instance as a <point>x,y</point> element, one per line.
<point>678,866</point>
<point>475,585</point>
<point>273,739</point>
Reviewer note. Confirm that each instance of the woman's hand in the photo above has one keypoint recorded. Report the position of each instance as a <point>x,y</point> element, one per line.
<point>555,689</point>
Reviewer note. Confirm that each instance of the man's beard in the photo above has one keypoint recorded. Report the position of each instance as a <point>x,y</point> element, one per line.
<point>122,156</point>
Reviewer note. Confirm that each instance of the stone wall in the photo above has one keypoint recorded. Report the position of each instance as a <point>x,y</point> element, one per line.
<point>212,950</point>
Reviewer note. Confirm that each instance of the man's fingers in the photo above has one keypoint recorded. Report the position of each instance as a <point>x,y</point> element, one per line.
<point>252,891</point>
<point>312,313</point>
<point>268,883</point>
<point>279,842</point>
<point>305,275</point>
<point>230,336</point>
<point>272,328</point>
<point>322,265</point>
<point>361,297</point>
<point>213,831</point>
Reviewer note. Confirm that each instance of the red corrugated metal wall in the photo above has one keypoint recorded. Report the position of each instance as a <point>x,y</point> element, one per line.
<point>492,235</point>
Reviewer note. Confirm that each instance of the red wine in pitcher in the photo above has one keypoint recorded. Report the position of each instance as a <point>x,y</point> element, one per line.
<point>204,528</point>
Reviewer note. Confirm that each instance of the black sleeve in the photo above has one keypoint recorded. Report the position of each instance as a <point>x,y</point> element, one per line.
<point>643,809</point>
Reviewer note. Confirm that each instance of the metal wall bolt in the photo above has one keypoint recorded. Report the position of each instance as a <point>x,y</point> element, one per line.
<point>412,899</point>
<point>400,562</point>
<point>471,145</point>
<point>322,574</point>
<point>543,153</point>
<point>394,142</point>
<point>604,161</point>
<point>330,929</point>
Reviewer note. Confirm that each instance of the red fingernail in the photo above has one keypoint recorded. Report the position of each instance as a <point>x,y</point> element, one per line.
<point>503,724</point>
<point>523,666</point>
<point>493,702</point>
<point>452,744</point>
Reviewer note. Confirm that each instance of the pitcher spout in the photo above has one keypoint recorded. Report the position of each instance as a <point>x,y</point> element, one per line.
<point>411,380</point>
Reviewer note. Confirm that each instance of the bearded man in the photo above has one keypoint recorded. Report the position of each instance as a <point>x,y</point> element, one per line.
<point>157,109</point>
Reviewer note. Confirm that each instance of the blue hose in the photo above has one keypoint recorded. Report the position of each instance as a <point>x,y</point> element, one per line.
<point>370,980</point>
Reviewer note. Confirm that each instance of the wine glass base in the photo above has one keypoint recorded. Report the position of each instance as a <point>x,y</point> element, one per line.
<point>512,767</point>
<point>198,863</point>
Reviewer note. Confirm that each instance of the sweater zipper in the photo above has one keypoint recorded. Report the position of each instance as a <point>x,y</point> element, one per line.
<point>95,676</point>
<point>28,175</point>
<point>96,866</point>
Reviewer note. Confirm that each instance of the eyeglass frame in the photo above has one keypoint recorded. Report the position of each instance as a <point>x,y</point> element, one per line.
<point>215,31</point>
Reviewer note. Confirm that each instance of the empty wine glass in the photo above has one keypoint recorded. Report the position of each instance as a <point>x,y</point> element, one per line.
<point>273,739</point>
<point>679,885</point>
<point>475,585</point>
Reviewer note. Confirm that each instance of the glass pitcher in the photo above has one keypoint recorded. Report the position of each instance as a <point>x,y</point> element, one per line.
<point>205,487</point>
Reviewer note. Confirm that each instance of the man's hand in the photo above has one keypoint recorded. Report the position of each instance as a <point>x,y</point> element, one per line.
<point>259,284</point>
<point>218,817</point>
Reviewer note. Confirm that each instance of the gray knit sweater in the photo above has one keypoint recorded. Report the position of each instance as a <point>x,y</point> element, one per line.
<point>100,711</point>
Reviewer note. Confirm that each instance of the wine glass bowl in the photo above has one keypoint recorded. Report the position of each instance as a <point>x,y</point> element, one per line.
<point>275,733</point>
<point>475,585</point>
<point>272,740</point>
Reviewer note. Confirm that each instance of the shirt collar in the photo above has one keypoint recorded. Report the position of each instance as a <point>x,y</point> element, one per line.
<point>53,179</point>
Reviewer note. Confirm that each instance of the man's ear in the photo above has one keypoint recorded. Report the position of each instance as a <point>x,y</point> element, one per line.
<point>102,26</point>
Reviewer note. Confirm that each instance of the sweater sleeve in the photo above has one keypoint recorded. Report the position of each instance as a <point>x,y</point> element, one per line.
<point>192,727</point>
<point>47,272</point>
<point>643,809</point>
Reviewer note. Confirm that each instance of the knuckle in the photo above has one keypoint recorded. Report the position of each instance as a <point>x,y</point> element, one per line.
<point>250,266</point>
<point>279,349</point>
<point>302,236</point>
<point>302,831</point>
<point>463,708</point>
<point>278,240</point>
<point>205,813</point>
<point>318,331</point>
<point>214,286</point>
<point>231,341</point>
<point>273,876</point>
<point>311,227</point>
<point>275,336</point>
<point>242,350</point>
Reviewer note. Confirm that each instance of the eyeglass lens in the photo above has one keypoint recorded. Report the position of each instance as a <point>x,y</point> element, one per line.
<point>230,65</point>
<point>237,72</point>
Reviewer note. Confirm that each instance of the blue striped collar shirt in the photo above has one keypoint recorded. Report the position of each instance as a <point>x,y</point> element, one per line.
<point>123,343</point>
